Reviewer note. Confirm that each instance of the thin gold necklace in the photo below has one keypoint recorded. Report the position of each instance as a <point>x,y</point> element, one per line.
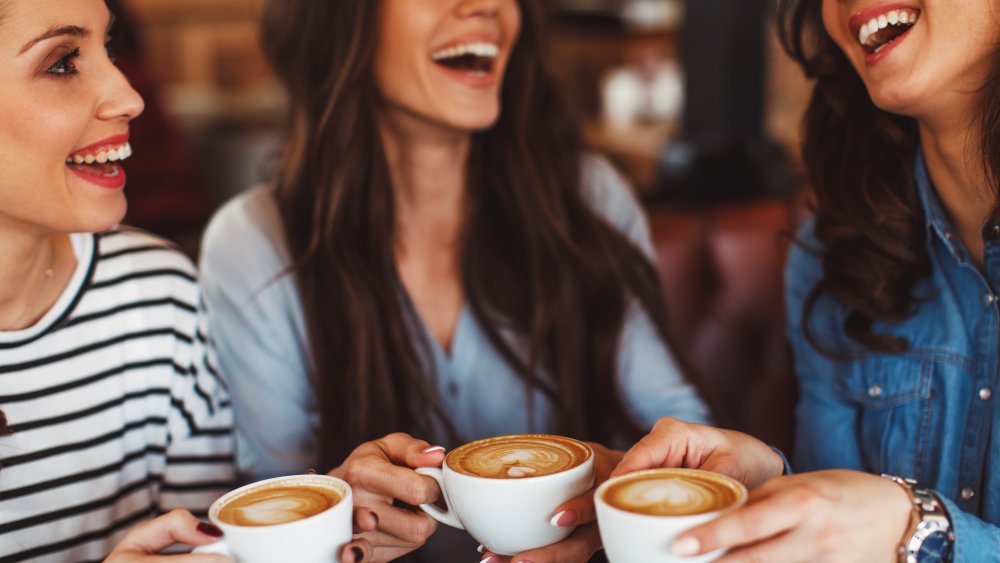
<point>41,287</point>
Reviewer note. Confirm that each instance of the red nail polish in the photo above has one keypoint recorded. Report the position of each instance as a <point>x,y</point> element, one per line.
<point>358,554</point>
<point>209,529</point>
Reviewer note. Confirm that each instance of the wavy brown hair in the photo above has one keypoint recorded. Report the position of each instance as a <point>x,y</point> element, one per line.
<point>859,160</point>
<point>536,260</point>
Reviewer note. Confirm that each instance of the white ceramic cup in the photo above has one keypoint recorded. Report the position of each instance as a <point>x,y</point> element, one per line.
<point>630,537</point>
<point>316,539</point>
<point>508,516</point>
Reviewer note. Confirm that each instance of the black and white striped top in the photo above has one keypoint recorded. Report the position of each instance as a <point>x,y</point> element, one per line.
<point>116,411</point>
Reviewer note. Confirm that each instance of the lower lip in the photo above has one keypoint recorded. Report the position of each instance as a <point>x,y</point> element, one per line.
<point>876,57</point>
<point>110,182</point>
<point>477,80</point>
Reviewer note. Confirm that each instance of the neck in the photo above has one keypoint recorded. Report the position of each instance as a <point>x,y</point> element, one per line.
<point>956,168</point>
<point>27,263</point>
<point>428,171</point>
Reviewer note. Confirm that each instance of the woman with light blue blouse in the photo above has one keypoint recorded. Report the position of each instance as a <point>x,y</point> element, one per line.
<point>427,263</point>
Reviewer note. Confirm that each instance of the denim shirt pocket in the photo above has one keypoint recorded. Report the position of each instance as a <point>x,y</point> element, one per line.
<point>892,396</point>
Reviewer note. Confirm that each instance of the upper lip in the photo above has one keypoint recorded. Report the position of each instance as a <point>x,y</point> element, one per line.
<point>862,17</point>
<point>112,141</point>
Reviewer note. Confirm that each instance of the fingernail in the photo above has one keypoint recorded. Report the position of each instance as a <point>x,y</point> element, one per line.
<point>310,471</point>
<point>480,548</point>
<point>564,519</point>
<point>209,529</point>
<point>433,449</point>
<point>375,516</point>
<point>358,554</point>
<point>486,559</point>
<point>685,547</point>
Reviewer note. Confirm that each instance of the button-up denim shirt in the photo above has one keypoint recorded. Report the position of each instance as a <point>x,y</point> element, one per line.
<point>927,414</point>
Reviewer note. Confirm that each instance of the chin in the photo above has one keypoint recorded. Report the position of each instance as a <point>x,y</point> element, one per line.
<point>893,99</point>
<point>104,218</point>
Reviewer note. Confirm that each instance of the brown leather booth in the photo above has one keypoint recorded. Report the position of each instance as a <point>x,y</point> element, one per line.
<point>721,268</point>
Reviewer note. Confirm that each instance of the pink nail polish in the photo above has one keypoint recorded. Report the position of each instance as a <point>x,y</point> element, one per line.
<point>433,449</point>
<point>564,519</point>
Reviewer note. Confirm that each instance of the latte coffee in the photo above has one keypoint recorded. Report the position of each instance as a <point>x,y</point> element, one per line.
<point>277,504</point>
<point>518,456</point>
<point>673,492</point>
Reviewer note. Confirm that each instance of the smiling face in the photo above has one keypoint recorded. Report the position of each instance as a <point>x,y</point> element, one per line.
<point>442,61</point>
<point>65,105</point>
<point>920,58</point>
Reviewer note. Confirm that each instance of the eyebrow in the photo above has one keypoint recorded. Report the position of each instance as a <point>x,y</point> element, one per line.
<point>71,30</point>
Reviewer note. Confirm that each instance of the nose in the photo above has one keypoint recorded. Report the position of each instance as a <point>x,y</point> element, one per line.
<point>119,100</point>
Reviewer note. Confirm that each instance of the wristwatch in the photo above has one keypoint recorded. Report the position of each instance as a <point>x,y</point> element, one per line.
<point>929,538</point>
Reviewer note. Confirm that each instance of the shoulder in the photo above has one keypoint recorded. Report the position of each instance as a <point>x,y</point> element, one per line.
<point>608,192</point>
<point>244,243</point>
<point>133,262</point>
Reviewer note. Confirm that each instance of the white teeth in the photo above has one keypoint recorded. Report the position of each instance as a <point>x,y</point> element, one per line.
<point>893,17</point>
<point>103,156</point>
<point>490,50</point>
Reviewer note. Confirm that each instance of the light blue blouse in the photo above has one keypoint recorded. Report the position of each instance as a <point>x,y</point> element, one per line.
<point>258,323</point>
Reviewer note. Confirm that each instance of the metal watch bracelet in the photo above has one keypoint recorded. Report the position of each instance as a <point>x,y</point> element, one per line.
<point>929,537</point>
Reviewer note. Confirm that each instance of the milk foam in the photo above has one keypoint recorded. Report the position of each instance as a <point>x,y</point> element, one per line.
<point>277,505</point>
<point>670,495</point>
<point>518,457</point>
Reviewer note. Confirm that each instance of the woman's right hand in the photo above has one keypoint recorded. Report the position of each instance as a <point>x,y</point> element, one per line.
<point>675,443</point>
<point>381,476</point>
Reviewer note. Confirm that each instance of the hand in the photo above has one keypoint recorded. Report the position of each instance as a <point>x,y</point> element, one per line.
<point>380,474</point>
<point>674,443</point>
<point>842,516</point>
<point>144,541</point>
<point>585,540</point>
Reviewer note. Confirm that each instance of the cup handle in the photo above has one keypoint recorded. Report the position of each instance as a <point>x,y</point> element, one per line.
<point>217,547</point>
<point>443,516</point>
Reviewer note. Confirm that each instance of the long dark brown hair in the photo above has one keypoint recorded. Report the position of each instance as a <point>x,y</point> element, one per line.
<point>859,158</point>
<point>536,260</point>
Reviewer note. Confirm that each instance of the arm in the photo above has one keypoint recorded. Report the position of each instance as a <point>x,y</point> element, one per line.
<point>260,338</point>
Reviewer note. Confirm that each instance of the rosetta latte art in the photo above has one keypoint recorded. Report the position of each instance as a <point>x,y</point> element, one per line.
<point>518,457</point>
<point>277,505</point>
<point>670,496</point>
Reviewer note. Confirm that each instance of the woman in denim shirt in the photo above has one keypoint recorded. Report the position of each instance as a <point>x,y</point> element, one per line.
<point>891,298</point>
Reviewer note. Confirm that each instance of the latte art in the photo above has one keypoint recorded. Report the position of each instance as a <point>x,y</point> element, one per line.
<point>518,456</point>
<point>666,493</point>
<point>277,505</point>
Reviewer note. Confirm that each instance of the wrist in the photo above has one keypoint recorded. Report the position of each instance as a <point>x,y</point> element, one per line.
<point>928,537</point>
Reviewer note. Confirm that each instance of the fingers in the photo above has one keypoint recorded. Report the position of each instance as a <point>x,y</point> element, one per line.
<point>782,548</point>
<point>365,520</point>
<point>177,526</point>
<point>403,449</point>
<point>577,548</point>
<point>665,446</point>
<point>768,516</point>
<point>411,527</point>
<point>377,475</point>
<point>575,512</point>
<point>357,551</point>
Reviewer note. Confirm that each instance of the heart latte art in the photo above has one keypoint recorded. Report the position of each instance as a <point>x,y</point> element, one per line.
<point>518,456</point>
<point>277,505</point>
<point>672,493</point>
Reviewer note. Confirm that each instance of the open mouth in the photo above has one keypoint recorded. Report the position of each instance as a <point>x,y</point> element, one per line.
<point>468,57</point>
<point>100,162</point>
<point>880,31</point>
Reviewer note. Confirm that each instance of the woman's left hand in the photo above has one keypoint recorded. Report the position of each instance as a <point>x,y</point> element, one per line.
<point>580,512</point>
<point>827,516</point>
<point>146,540</point>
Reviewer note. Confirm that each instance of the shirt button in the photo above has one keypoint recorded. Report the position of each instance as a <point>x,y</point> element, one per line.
<point>968,493</point>
<point>948,235</point>
<point>985,393</point>
<point>990,299</point>
<point>875,390</point>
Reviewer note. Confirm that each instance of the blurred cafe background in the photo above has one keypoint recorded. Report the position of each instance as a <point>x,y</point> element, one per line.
<point>692,100</point>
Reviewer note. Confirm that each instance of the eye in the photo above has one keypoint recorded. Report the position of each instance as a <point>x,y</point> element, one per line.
<point>64,66</point>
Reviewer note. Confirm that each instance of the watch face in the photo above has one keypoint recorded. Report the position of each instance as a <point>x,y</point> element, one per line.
<point>935,547</point>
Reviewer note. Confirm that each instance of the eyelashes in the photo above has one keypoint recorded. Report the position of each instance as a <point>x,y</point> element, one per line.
<point>66,65</point>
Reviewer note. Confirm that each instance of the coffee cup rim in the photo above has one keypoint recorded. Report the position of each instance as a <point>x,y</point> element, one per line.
<point>589,461</point>
<point>599,493</point>
<point>344,488</point>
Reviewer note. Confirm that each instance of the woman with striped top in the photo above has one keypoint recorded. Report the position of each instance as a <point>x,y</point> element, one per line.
<point>112,412</point>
